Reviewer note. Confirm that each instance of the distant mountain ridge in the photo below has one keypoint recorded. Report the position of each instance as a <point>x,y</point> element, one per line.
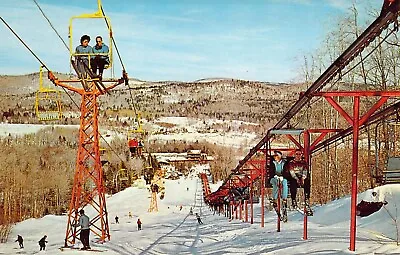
<point>223,98</point>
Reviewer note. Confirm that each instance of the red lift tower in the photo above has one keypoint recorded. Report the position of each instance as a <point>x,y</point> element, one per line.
<point>88,189</point>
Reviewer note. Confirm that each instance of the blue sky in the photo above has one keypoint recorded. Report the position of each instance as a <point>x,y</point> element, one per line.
<point>179,39</point>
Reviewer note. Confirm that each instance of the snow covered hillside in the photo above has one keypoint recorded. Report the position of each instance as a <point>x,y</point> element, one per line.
<point>174,231</point>
<point>183,129</point>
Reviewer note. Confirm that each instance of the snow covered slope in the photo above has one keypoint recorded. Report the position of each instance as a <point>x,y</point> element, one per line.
<point>174,231</point>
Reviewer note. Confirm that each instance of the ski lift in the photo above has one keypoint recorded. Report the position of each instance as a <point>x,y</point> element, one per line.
<point>124,175</point>
<point>99,14</point>
<point>136,137</point>
<point>137,130</point>
<point>392,172</point>
<point>48,102</point>
<point>104,158</point>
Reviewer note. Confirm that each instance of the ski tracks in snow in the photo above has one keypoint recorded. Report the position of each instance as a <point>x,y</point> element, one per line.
<point>188,232</point>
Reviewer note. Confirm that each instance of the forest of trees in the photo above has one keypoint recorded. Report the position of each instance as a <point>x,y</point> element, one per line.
<point>36,174</point>
<point>37,170</point>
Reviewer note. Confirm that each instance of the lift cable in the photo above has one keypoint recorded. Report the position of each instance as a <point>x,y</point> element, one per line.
<point>65,44</point>
<point>351,69</point>
<point>51,25</point>
<point>19,38</point>
<point>372,51</point>
<point>112,38</point>
<point>42,63</point>
<point>120,60</point>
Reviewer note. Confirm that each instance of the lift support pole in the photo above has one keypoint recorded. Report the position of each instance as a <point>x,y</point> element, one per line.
<point>356,121</point>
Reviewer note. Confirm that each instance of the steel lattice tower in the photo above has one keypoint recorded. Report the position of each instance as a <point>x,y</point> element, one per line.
<point>88,188</point>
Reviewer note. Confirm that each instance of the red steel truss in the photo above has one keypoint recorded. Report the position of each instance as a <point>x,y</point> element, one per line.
<point>355,121</point>
<point>256,169</point>
<point>88,189</point>
<point>389,15</point>
<point>206,185</point>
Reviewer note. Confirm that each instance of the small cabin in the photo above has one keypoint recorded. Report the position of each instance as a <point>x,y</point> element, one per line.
<point>196,155</point>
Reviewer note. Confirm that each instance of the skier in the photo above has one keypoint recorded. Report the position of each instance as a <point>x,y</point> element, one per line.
<point>84,223</point>
<point>199,219</point>
<point>42,243</point>
<point>116,219</point>
<point>191,211</point>
<point>279,174</point>
<point>139,224</point>
<point>20,241</point>
<point>130,215</point>
<point>180,208</point>
<point>140,147</point>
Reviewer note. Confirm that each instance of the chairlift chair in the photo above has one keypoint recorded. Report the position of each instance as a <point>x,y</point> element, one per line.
<point>96,15</point>
<point>136,136</point>
<point>137,130</point>
<point>104,158</point>
<point>124,175</point>
<point>48,102</point>
<point>391,174</point>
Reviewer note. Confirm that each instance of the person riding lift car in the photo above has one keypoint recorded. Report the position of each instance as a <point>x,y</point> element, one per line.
<point>279,174</point>
<point>100,59</point>
<point>83,54</point>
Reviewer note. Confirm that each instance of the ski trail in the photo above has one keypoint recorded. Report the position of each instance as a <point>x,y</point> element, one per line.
<point>193,247</point>
<point>182,230</point>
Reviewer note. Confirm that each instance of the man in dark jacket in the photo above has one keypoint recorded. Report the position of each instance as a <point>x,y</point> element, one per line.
<point>42,243</point>
<point>20,241</point>
<point>198,219</point>
<point>298,170</point>
<point>100,51</point>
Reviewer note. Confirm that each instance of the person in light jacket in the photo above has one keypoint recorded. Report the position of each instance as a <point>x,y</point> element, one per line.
<point>84,223</point>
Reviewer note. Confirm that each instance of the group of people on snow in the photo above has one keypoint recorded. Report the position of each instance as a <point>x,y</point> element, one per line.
<point>42,242</point>
<point>84,224</point>
<point>138,222</point>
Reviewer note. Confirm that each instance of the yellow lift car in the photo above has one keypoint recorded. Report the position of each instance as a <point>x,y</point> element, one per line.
<point>48,102</point>
<point>99,14</point>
